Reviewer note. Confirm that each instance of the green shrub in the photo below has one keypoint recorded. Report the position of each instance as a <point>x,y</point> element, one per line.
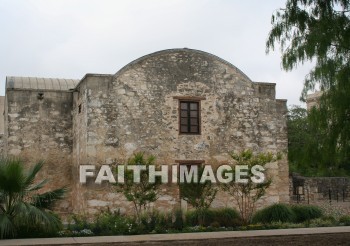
<point>179,222</point>
<point>193,217</point>
<point>113,223</point>
<point>323,222</point>
<point>35,230</point>
<point>274,213</point>
<point>155,222</point>
<point>283,225</point>
<point>227,217</point>
<point>79,222</point>
<point>224,217</point>
<point>215,224</point>
<point>329,217</point>
<point>345,220</point>
<point>306,212</point>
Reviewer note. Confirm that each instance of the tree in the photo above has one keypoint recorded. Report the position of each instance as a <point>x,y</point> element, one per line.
<point>298,134</point>
<point>308,153</point>
<point>319,31</point>
<point>198,194</point>
<point>303,142</point>
<point>247,194</point>
<point>142,193</point>
<point>21,204</point>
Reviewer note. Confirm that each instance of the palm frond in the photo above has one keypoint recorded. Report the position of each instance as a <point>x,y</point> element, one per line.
<point>37,186</point>
<point>33,216</point>
<point>7,228</point>
<point>2,197</point>
<point>12,175</point>
<point>46,200</point>
<point>20,207</point>
<point>33,172</point>
<point>41,216</point>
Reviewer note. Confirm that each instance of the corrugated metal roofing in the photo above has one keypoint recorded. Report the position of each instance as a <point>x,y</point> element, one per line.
<point>34,83</point>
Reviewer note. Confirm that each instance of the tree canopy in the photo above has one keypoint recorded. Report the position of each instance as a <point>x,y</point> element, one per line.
<point>319,31</point>
<point>308,153</point>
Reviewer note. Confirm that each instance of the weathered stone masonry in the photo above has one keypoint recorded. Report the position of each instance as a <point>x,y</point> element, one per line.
<point>104,119</point>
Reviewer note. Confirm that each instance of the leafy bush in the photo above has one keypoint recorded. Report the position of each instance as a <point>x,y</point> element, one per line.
<point>114,223</point>
<point>79,222</point>
<point>35,230</point>
<point>274,213</point>
<point>247,194</point>
<point>156,222</point>
<point>199,195</point>
<point>193,217</point>
<point>225,217</point>
<point>179,222</point>
<point>323,222</point>
<point>283,225</point>
<point>306,212</point>
<point>142,193</point>
<point>106,223</point>
<point>345,220</point>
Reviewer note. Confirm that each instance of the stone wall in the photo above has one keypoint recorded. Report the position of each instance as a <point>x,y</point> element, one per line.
<point>41,129</point>
<point>137,110</point>
<point>2,113</point>
<point>312,100</point>
<point>2,121</point>
<point>319,189</point>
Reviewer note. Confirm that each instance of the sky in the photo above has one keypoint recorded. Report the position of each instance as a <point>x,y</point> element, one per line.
<point>69,38</point>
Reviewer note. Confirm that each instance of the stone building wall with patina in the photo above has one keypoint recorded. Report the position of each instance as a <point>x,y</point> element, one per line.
<point>136,109</point>
<point>104,119</point>
<point>41,129</point>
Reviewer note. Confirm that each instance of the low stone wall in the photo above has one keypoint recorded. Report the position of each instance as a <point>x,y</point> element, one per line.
<point>312,190</point>
<point>303,236</point>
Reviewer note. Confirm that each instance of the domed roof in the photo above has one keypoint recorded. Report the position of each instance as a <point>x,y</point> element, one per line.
<point>174,51</point>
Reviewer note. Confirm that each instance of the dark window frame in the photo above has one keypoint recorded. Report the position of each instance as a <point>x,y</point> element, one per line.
<point>188,111</point>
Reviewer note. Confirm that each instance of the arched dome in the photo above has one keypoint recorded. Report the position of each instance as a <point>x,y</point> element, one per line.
<point>171,52</point>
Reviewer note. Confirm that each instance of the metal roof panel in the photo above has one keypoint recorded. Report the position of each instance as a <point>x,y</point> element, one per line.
<point>34,83</point>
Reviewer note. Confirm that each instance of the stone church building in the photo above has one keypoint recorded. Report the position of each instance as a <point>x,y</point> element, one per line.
<point>181,105</point>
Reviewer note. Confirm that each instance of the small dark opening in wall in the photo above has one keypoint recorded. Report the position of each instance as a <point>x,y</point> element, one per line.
<point>40,95</point>
<point>79,108</point>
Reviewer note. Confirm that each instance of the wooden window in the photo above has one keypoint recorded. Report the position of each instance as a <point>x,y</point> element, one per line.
<point>189,117</point>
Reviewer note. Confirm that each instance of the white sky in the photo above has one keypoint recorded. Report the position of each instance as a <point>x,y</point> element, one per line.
<point>69,38</point>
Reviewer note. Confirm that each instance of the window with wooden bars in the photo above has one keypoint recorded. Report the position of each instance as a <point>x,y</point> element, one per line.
<point>189,117</point>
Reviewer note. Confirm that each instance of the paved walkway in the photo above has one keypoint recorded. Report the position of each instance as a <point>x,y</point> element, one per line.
<point>204,238</point>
